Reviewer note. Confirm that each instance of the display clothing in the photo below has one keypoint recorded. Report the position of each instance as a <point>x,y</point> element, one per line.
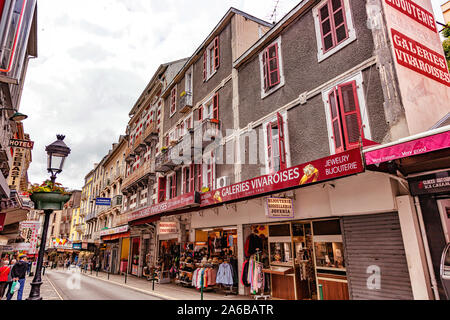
<point>244,275</point>
<point>255,276</point>
<point>225,274</point>
<point>252,243</point>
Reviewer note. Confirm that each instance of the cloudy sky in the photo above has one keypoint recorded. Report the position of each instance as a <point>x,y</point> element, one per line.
<point>96,57</point>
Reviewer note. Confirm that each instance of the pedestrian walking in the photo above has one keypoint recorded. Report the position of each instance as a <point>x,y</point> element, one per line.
<point>18,273</point>
<point>4,273</point>
<point>10,279</point>
<point>29,265</point>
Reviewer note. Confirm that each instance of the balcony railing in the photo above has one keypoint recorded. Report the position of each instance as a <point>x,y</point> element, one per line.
<point>207,132</point>
<point>146,168</point>
<point>151,133</point>
<point>186,103</point>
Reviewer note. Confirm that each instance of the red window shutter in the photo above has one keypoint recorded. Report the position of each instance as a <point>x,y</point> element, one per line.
<point>174,186</point>
<point>336,121</point>
<point>333,24</point>
<point>282,142</point>
<point>191,177</point>
<point>216,53</point>
<point>269,147</point>
<point>199,177</point>
<point>266,69</point>
<point>162,189</point>
<point>273,65</point>
<point>205,71</point>
<point>350,114</point>
<point>200,114</point>
<point>173,106</point>
<point>183,182</point>
<point>216,106</point>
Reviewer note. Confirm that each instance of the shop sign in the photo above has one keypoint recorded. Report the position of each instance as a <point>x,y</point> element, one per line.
<point>280,208</point>
<point>25,144</point>
<point>103,201</point>
<point>409,149</point>
<point>84,245</point>
<point>16,169</point>
<point>415,56</point>
<point>415,12</point>
<point>61,244</point>
<point>430,184</point>
<point>21,246</point>
<point>6,248</point>
<point>168,227</point>
<point>134,270</point>
<point>117,230</point>
<point>334,167</point>
<point>2,220</point>
<point>185,201</point>
<point>76,246</point>
<point>30,232</point>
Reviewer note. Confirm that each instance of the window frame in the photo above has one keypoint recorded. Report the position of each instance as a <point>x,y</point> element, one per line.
<point>269,163</point>
<point>210,69</point>
<point>351,31</point>
<point>173,101</point>
<point>364,115</point>
<point>265,93</point>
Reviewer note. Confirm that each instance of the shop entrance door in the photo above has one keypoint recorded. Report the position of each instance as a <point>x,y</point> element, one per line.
<point>114,261</point>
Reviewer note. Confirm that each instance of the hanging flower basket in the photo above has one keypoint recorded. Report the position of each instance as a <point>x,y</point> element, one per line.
<point>49,196</point>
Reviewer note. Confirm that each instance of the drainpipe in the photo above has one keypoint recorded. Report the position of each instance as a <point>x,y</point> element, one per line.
<point>427,249</point>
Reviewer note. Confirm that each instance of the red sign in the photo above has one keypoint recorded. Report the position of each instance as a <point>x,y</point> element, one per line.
<point>2,220</point>
<point>184,201</point>
<point>337,166</point>
<point>415,12</point>
<point>417,57</point>
<point>409,149</point>
<point>26,144</point>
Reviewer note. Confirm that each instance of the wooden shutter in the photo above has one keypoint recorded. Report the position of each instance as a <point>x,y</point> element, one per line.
<point>274,65</point>
<point>216,53</point>
<point>174,186</point>
<point>200,113</point>
<point>282,142</point>
<point>191,177</point>
<point>184,181</point>
<point>205,71</point>
<point>350,114</point>
<point>173,106</point>
<point>199,177</point>
<point>336,121</point>
<point>266,70</point>
<point>216,106</point>
<point>269,147</point>
<point>162,189</point>
<point>326,27</point>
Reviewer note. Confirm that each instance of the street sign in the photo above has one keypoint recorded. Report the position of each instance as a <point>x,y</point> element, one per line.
<point>103,202</point>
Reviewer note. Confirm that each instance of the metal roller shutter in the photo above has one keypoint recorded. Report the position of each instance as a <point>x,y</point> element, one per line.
<point>376,240</point>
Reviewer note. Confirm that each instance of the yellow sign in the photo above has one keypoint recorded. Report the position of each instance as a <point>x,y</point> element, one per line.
<point>16,169</point>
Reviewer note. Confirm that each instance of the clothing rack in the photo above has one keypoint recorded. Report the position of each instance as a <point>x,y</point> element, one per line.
<point>262,296</point>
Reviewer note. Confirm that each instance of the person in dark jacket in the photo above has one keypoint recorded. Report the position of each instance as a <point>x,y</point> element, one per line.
<point>18,273</point>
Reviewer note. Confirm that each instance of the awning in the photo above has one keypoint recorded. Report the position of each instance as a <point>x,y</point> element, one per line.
<point>116,236</point>
<point>420,144</point>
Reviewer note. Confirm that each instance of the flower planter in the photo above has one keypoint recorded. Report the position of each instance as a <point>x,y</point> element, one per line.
<point>49,200</point>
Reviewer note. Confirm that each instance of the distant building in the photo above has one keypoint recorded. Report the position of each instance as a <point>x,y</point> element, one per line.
<point>446,11</point>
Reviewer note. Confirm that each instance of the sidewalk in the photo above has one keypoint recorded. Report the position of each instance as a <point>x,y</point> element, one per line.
<point>48,293</point>
<point>164,291</point>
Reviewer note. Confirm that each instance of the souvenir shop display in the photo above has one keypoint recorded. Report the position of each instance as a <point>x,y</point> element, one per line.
<point>168,262</point>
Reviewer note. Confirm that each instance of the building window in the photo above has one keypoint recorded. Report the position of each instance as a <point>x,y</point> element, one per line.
<point>334,26</point>
<point>209,172</point>
<point>173,101</point>
<point>211,59</point>
<point>188,179</point>
<point>271,67</point>
<point>347,118</point>
<point>276,145</point>
<point>171,192</point>
<point>210,109</point>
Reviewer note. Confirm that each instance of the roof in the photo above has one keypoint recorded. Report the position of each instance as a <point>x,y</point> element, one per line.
<point>116,146</point>
<point>217,29</point>
<point>270,35</point>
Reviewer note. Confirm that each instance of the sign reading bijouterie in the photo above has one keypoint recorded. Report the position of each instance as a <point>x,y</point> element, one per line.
<point>280,208</point>
<point>168,227</point>
<point>184,201</point>
<point>417,57</point>
<point>337,166</point>
<point>114,231</point>
<point>415,12</point>
<point>26,144</point>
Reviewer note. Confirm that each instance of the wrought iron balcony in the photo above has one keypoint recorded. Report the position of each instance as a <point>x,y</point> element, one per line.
<point>207,132</point>
<point>143,172</point>
<point>186,103</point>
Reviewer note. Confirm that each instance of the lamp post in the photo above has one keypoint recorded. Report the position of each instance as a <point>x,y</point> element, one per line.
<point>57,153</point>
<point>17,116</point>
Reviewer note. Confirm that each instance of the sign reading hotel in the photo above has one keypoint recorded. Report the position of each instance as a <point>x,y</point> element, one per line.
<point>334,167</point>
<point>280,208</point>
<point>168,227</point>
<point>25,144</point>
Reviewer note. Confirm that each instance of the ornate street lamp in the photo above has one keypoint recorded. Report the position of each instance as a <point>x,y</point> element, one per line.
<point>57,153</point>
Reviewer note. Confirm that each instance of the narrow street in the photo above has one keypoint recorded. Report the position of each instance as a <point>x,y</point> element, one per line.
<point>76,286</point>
